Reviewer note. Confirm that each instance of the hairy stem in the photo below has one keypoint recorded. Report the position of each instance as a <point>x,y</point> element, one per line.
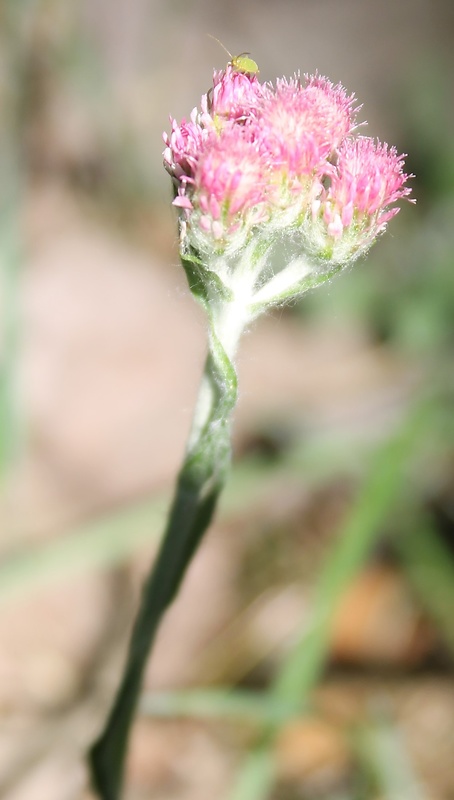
<point>199,484</point>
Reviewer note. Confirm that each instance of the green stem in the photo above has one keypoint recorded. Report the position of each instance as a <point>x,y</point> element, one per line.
<point>200,481</point>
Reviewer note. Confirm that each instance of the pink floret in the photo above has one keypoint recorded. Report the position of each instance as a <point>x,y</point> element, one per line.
<point>183,146</point>
<point>234,96</point>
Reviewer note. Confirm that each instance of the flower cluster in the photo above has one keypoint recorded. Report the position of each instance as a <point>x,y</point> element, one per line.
<point>257,161</point>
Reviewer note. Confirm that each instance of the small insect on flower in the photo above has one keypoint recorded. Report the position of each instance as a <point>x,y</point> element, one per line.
<point>241,63</point>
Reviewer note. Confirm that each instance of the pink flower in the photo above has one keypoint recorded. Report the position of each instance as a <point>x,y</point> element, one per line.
<point>303,125</point>
<point>234,96</point>
<point>367,180</point>
<point>183,147</point>
<point>229,189</point>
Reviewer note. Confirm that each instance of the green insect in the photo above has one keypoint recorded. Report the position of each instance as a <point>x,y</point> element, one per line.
<point>241,63</point>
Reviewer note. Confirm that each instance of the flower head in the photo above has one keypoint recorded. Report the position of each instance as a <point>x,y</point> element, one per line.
<point>228,192</point>
<point>357,199</point>
<point>259,163</point>
<point>302,125</point>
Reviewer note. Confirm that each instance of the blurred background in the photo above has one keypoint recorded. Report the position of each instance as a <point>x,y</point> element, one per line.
<point>321,605</point>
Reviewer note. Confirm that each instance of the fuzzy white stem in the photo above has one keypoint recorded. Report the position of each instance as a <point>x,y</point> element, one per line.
<point>229,320</point>
<point>282,281</point>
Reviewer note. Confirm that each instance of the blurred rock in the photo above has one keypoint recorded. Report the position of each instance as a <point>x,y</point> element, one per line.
<point>313,751</point>
<point>112,353</point>
<point>53,778</point>
<point>378,621</point>
<point>181,761</point>
<point>47,642</point>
